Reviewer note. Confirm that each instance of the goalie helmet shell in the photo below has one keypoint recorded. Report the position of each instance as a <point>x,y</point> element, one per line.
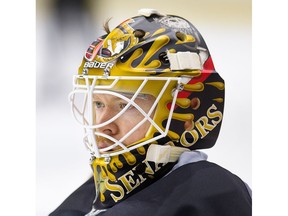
<point>160,55</point>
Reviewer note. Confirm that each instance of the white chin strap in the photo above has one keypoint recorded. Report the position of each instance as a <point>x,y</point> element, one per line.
<point>164,153</point>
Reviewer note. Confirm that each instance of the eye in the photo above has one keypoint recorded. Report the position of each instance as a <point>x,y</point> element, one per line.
<point>99,104</point>
<point>122,105</point>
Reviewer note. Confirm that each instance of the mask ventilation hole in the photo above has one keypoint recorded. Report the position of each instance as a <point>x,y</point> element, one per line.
<point>163,58</point>
<point>139,33</point>
<point>181,36</point>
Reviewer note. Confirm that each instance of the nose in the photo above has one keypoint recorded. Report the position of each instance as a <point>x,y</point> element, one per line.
<point>102,117</point>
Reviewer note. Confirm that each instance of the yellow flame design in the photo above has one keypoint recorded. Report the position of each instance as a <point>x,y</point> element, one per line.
<point>219,100</point>
<point>102,197</point>
<point>183,117</point>
<point>159,31</point>
<point>218,85</point>
<point>156,46</point>
<point>194,87</point>
<point>183,102</point>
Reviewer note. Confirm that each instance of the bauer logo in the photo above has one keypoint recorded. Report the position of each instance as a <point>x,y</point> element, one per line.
<point>96,64</point>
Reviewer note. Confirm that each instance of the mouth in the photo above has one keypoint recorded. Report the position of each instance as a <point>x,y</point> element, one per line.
<point>103,143</point>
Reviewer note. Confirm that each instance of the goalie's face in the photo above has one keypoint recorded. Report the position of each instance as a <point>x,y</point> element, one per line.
<point>107,106</point>
<point>120,114</point>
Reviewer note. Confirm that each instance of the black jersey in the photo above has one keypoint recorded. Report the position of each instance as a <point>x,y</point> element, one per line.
<point>197,189</point>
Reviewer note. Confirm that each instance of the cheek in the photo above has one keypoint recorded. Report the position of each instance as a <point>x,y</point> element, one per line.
<point>129,122</point>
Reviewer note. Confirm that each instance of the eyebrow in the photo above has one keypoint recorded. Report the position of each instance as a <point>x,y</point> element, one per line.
<point>126,94</point>
<point>130,95</point>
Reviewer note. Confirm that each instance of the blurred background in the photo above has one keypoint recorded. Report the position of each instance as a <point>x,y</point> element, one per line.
<point>65,29</point>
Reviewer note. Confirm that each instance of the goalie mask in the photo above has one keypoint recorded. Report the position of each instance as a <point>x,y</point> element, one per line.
<point>145,92</point>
